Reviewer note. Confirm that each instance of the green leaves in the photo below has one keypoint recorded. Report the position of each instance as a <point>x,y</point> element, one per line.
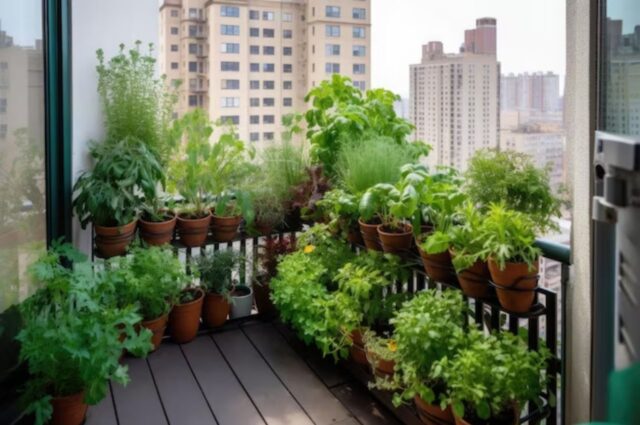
<point>216,270</point>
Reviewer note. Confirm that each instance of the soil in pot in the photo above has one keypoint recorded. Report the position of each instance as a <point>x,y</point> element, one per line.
<point>69,410</point>
<point>357,350</point>
<point>225,229</point>
<point>438,266</point>
<point>184,319</point>
<point>215,310</point>
<point>157,327</point>
<point>369,232</point>
<point>157,233</point>
<point>433,414</point>
<point>261,294</point>
<point>113,241</point>
<point>515,285</point>
<point>193,231</point>
<point>242,303</point>
<point>396,241</point>
<point>474,281</point>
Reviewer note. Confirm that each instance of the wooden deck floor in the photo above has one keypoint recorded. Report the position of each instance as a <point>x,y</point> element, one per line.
<point>253,373</point>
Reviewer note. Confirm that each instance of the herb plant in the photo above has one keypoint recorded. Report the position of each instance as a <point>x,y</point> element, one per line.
<point>341,209</point>
<point>216,271</point>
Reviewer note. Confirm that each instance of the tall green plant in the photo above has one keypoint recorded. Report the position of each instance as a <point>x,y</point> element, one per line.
<point>216,270</point>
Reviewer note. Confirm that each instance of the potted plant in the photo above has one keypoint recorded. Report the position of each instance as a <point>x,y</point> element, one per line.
<point>381,353</point>
<point>152,279</point>
<point>109,195</point>
<point>268,210</point>
<point>184,319</point>
<point>269,252</point>
<point>241,301</point>
<point>509,238</point>
<point>226,219</point>
<point>491,379</point>
<point>157,222</point>
<point>216,278</point>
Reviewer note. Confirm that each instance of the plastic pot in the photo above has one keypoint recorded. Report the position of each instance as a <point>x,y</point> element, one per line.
<point>225,229</point>
<point>215,310</point>
<point>396,242</point>
<point>439,266</point>
<point>113,241</point>
<point>433,414</point>
<point>242,302</point>
<point>184,319</point>
<point>370,236</point>
<point>157,327</point>
<point>193,231</point>
<point>515,285</point>
<point>69,410</point>
<point>158,233</point>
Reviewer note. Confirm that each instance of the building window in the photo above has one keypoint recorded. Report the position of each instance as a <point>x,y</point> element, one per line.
<point>193,48</point>
<point>287,17</point>
<point>3,131</point>
<point>230,29</point>
<point>359,13</point>
<point>358,68</point>
<point>332,68</point>
<point>287,101</point>
<point>254,84</point>
<point>359,32</point>
<point>268,16</point>
<point>254,101</point>
<point>174,65</point>
<point>254,32</point>
<point>287,68</point>
<point>230,47</point>
<point>268,101</point>
<point>360,84</point>
<point>269,85</point>
<point>254,119</point>
<point>193,100</point>
<point>174,47</point>
<point>332,11</point>
<point>268,50</point>
<point>332,50</point>
<point>332,30</point>
<point>174,31</point>
<point>230,119</point>
<point>287,34</point>
<point>287,51</point>
<point>230,66</point>
<point>254,137</point>
<point>287,85</point>
<point>268,67</point>
<point>359,51</point>
<point>193,13</point>
<point>254,67</point>
<point>254,50</point>
<point>267,136</point>
<point>230,11</point>
<point>230,84</point>
<point>193,66</point>
<point>268,33</point>
<point>230,102</point>
<point>268,119</point>
<point>175,13</point>
<point>3,105</point>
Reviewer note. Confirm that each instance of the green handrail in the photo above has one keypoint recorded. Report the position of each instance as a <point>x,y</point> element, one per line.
<point>555,250</point>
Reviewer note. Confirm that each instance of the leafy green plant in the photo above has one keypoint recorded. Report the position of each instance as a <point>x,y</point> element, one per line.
<point>112,194</point>
<point>492,377</point>
<point>509,236</point>
<point>216,271</point>
<point>512,178</point>
<point>268,208</point>
<point>466,239</point>
<point>341,208</point>
<point>283,167</point>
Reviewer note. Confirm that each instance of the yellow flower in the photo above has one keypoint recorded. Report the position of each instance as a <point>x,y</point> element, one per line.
<point>309,249</point>
<point>392,345</point>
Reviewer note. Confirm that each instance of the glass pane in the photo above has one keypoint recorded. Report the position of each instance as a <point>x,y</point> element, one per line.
<point>620,82</point>
<point>22,189</point>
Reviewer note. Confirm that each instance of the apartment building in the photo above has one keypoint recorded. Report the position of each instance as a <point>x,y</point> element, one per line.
<point>454,98</point>
<point>537,92</point>
<point>250,62</point>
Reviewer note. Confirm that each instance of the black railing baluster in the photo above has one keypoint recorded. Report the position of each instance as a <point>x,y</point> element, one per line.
<point>551,301</point>
<point>479,313</point>
<point>495,318</point>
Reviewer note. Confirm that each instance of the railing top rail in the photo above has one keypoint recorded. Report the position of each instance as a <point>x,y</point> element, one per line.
<point>554,250</point>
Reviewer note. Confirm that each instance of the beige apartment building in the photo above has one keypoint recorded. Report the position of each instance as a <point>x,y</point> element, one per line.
<point>250,62</point>
<point>454,98</point>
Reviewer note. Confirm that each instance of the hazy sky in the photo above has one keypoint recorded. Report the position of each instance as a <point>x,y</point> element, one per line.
<point>531,34</point>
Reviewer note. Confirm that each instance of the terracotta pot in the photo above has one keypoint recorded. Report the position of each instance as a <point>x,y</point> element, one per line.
<point>225,229</point>
<point>439,266</point>
<point>474,281</point>
<point>184,319</point>
<point>157,327</point>
<point>68,410</point>
<point>516,285</point>
<point>157,233</point>
<point>113,241</point>
<point>354,237</point>
<point>426,229</point>
<point>370,236</point>
<point>215,310</point>
<point>357,351</point>
<point>433,414</point>
<point>396,242</point>
<point>264,229</point>
<point>261,292</point>
<point>382,367</point>
<point>513,419</point>
<point>193,231</point>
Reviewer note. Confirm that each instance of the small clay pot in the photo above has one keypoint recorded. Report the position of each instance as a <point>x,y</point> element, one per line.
<point>382,367</point>
<point>158,233</point>
<point>264,229</point>
<point>474,281</point>
<point>215,310</point>
<point>396,242</point>
<point>433,414</point>
<point>69,410</point>
<point>193,231</point>
<point>354,237</point>
<point>157,327</point>
<point>184,319</point>
<point>261,292</point>
<point>113,241</point>
<point>439,266</point>
<point>370,236</point>
<point>357,350</point>
<point>515,285</point>
<point>225,229</point>
<point>512,419</point>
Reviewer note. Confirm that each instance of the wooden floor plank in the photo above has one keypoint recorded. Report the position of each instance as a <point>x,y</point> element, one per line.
<point>316,399</point>
<point>181,396</point>
<point>227,398</point>
<point>138,403</point>
<point>102,413</point>
<point>362,405</point>
<point>273,400</point>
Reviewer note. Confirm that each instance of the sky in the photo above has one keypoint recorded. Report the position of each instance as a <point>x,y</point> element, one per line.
<point>531,34</point>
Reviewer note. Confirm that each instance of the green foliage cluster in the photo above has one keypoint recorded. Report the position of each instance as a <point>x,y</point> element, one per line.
<point>466,238</point>
<point>149,278</point>
<point>216,270</point>
<point>341,209</point>
<point>507,176</point>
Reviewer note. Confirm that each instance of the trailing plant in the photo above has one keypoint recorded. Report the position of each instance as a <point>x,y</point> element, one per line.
<point>512,178</point>
<point>217,269</point>
<point>113,192</point>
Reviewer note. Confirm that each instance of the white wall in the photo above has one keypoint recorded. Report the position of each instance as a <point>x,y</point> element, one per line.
<point>99,24</point>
